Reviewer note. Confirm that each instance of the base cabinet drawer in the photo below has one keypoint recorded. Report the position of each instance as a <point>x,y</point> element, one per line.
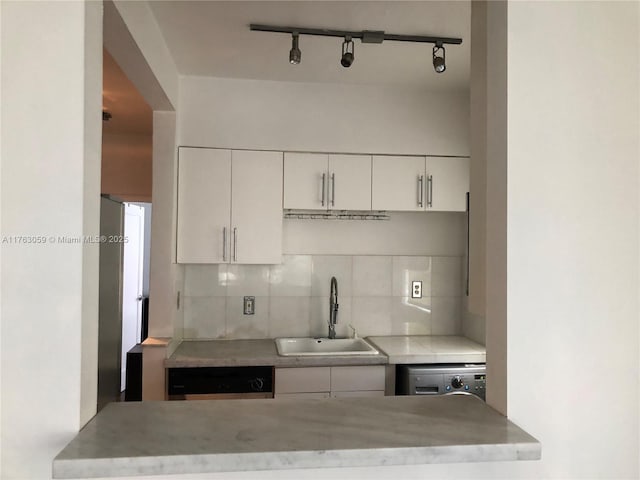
<point>366,378</point>
<point>302,380</point>
<point>303,395</point>
<point>351,381</point>
<point>361,393</point>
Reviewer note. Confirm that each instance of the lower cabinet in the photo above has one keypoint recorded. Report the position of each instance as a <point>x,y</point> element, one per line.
<point>325,382</point>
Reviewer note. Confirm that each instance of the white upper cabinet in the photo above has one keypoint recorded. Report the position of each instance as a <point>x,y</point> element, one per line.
<point>305,180</point>
<point>229,206</point>
<point>349,182</point>
<point>256,207</point>
<point>204,205</point>
<point>432,184</point>
<point>230,201</point>
<point>398,183</point>
<point>447,184</point>
<point>317,181</point>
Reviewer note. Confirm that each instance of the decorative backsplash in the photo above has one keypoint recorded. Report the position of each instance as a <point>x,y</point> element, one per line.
<point>292,299</point>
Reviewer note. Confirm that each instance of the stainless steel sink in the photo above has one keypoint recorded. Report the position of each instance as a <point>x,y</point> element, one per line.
<point>323,347</point>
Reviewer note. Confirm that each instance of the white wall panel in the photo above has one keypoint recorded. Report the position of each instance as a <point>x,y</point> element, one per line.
<point>572,233</point>
<point>309,117</point>
<point>50,188</point>
<point>163,273</point>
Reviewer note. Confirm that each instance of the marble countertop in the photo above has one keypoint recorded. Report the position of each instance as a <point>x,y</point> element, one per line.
<point>156,438</point>
<point>430,349</point>
<point>238,353</point>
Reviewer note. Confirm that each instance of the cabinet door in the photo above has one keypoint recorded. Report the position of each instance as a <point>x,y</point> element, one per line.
<point>302,380</point>
<point>448,183</point>
<point>305,181</point>
<point>349,182</point>
<point>256,207</point>
<point>364,378</point>
<point>398,183</point>
<point>204,205</point>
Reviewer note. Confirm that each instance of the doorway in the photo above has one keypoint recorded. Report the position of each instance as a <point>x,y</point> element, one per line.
<point>132,283</point>
<point>126,179</point>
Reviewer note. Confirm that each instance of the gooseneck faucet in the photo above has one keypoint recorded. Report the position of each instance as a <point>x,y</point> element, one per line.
<point>333,307</point>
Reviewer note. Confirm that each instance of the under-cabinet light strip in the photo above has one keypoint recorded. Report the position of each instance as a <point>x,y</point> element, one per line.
<point>342,215</point>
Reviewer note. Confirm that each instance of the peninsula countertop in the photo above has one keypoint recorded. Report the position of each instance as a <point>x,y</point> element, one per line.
<point>262,352</point>
<point>156,438</point>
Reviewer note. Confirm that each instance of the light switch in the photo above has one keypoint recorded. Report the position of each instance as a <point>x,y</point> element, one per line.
<point>416,289</point>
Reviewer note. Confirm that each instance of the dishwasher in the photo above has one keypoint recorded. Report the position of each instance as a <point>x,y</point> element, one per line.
<point>442,379</point>
<point>213,383</point>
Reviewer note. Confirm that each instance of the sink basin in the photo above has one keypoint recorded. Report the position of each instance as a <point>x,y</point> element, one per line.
<point>323,346</point>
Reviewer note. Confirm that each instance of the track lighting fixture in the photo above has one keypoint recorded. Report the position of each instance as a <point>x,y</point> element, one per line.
<point>365,36</point>
<point>439,64</point>
<point>295,55</point>
<point>347,52</point>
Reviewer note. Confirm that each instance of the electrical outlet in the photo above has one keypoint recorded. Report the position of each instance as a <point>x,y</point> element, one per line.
<point>249,305</point>
<point>416,289</point>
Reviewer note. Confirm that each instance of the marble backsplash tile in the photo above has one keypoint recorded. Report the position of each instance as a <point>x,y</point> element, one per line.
<point>372,276</point>
<point>292,299</point>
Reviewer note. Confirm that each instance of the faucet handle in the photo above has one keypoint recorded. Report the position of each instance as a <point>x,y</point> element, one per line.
<point>355,335</point>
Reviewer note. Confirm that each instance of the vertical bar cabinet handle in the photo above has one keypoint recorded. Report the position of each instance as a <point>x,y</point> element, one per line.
<point>421,191</point>
<point>224,244</point>
<point>333,189</point>
<point>430,190</point>
<point>324,175</point>
<point>235,244</point>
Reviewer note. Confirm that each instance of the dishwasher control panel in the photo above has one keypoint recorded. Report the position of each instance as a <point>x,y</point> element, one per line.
<point>219,382</point>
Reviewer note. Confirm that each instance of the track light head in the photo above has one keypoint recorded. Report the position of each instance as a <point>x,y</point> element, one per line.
<point>439,64</point>
<point>295,55</point>
<point>347,52</point>
<point>347,59</point>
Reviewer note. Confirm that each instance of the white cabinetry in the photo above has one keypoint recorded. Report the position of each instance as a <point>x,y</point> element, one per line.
<point>256,207</point>
<point>398,183</point>
<point>349,182</point>
<point>305,180</point>
<point>317,181</point>
<point>447,184</point>
<point>229,206</point>
<point>204,205</point>
<point>313,382</point>
<point>414,183</point>
<point>323,382</point>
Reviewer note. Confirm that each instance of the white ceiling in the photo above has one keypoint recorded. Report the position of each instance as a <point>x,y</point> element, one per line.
<point>212,38</point>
